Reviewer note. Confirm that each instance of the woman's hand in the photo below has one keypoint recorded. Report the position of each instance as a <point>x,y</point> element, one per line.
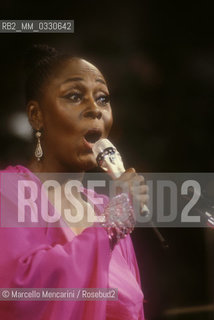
<point>134,185</point>
<point>119,215</point>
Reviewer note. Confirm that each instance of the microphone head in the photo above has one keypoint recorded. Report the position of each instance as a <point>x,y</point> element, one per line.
<point>101,145</point>
<point>108,158</point>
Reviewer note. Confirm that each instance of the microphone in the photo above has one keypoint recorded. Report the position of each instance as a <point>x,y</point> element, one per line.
<point>109,159</point>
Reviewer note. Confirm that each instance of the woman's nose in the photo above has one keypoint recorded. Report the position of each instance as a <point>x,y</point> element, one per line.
<point>92,111</point>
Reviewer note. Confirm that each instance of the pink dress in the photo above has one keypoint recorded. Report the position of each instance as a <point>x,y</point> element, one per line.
<point>54,257</point>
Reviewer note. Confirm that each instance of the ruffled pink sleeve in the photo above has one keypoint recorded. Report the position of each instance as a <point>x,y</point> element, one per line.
<point>53,257</point>
<point>41,258</point>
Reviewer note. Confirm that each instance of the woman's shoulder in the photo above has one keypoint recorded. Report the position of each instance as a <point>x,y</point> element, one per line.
<point>18,191</point>
<point>14,169</point>
<point>10,176</point>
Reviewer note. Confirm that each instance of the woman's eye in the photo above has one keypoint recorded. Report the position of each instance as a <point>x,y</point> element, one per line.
<point>74,97</point>
<point>103,99</point>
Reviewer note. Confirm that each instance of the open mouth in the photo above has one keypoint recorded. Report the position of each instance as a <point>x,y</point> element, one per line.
<point>93,136</point>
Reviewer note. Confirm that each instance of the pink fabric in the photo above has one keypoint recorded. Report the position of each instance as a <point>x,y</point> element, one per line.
<point>47,257</point>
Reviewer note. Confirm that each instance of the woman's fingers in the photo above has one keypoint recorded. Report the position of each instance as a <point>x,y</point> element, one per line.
<point>139,189</point>
<point>127,175</point>
<point>128,180</point>
<point>143,198</point>
<point>133,184</point>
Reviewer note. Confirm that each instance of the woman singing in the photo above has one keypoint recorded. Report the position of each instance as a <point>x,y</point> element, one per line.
<point>67,104</point>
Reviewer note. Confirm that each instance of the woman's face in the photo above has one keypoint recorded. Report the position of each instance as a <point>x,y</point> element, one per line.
<point>76,112</point>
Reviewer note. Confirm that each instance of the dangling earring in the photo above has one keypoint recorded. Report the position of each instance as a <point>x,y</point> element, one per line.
<point>38,151</point>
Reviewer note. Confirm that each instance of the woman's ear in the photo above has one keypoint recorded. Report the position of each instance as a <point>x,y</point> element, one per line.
<point>35,115</point>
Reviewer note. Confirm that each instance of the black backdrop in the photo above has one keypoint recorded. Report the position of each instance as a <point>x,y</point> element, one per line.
<point>158,58</point>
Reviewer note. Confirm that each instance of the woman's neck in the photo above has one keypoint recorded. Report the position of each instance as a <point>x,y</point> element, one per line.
<point>51,172</point>
<point>51,166</point>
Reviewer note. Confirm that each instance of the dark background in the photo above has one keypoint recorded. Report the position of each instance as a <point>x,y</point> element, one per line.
<point>158,59</point>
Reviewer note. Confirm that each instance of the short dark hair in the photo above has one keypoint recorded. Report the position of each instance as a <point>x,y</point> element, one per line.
<point>40,63</point>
